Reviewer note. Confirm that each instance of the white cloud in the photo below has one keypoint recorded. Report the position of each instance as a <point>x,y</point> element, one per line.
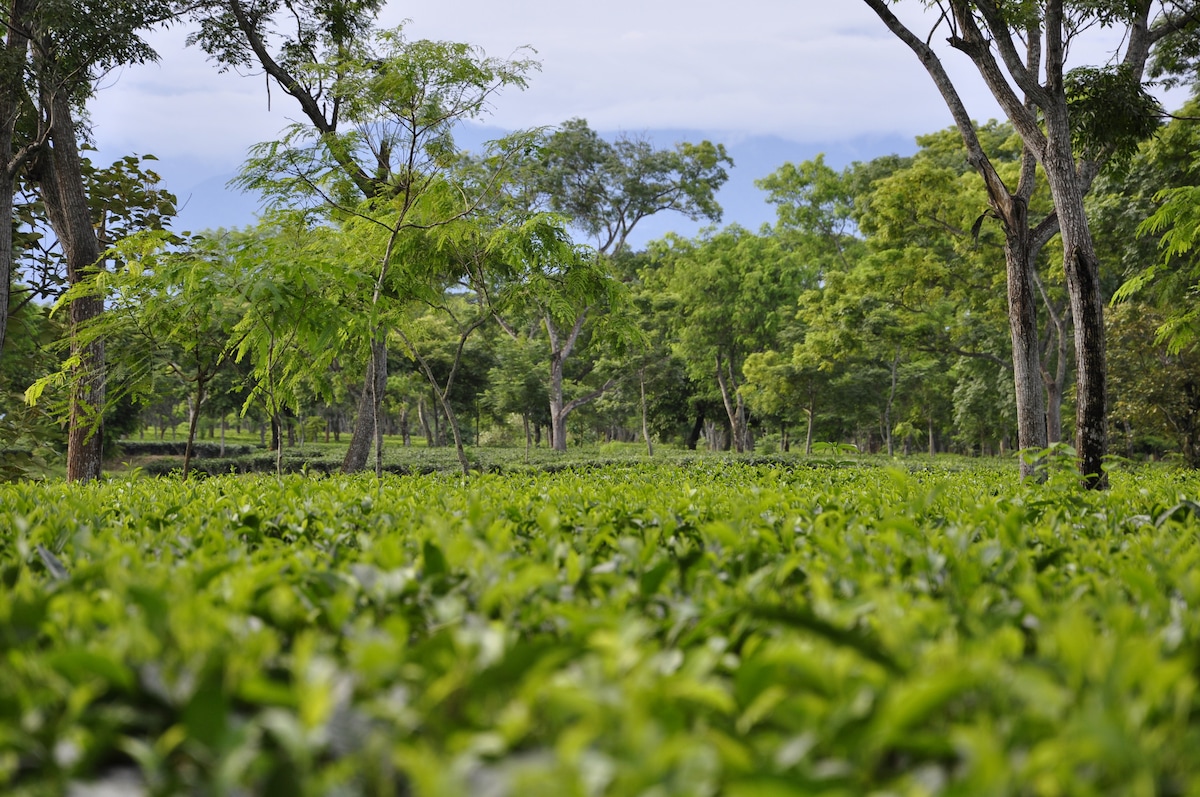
<point>817,72</point>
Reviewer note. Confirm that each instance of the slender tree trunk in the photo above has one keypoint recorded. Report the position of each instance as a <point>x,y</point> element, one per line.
<point>558,418</point>
<point>366,423</point>
<point>442,392</point>
<point>438,432</point>
<point>645,419</point>
<point>193,419</point>
<point>560,350</point>
<point>887,412</point>
<point>423,417</point>
<point>694,435</point>
<point>7,188</point>
<point>735,406</point>
<point>1019,257</point>
<point>1054,382</point>
<point>808,431</point>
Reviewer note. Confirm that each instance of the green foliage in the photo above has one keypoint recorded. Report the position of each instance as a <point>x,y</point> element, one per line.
<point>1165,188</point>
<point>710,628</point>
<point>78,43</point>
<point>606,188</point>
<point>391,137</point>
<point>1155,386</point>
<point>1112,112</point>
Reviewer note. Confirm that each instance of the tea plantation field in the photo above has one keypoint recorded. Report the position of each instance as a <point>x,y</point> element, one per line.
<point>711,628</point>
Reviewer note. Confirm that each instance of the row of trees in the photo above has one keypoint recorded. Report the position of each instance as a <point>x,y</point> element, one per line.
<point>872,312</point>
<point>875,308</point>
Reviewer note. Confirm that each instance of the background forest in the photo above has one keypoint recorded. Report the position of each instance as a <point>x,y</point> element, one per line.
<point>400,288</point>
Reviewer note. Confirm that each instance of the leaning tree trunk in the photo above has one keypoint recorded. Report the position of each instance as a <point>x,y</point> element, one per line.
<point>560,409</point>
<point>366,424</point>
<point>60,176</point>
<point>735,406</point>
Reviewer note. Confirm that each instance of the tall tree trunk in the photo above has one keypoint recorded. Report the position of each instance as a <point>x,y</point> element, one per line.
<point>423,417</point>
<point>59,173</point>
<point>7,187</point>
<point>558,358</point>
<point>810,415</point>
<point>694,435</point>
<point>1082,268</point>
<point>560,350</point>
<point>1019,257</point>
<point>194,404</point>
<point>366,423</point>
<point>645,419</point>
<point>1056,381</point>
<point>891,400</point>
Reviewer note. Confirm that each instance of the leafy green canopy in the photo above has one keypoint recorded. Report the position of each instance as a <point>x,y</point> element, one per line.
<point>605,188</point>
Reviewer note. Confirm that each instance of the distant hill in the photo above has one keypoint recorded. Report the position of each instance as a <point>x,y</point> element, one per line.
<point>207,201</point>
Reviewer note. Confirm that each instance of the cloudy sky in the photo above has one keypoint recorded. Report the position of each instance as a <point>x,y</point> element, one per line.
<point>775,80</point>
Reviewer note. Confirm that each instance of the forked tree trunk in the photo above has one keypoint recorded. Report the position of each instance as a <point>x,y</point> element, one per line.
<point>560,350</point>
<point>366,423</point>
<point>735,406</point>
<point>1046,132</point>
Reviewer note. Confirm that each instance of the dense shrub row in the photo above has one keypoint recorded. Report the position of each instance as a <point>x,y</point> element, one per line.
<point>708,628</point>
<point>176,448</point>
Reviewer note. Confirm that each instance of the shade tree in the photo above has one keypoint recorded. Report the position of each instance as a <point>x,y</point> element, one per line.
<point>604,189</point>
<point>53,56</point>
<point>377,136</point>
<point>733,291</point>
<point>1071,122</point>
<point>930,219</point>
